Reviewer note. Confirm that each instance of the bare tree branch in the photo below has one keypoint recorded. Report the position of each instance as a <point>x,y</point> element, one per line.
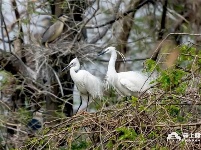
<point>102,34</point>
<point>120,16</point>
<point>162,29</point>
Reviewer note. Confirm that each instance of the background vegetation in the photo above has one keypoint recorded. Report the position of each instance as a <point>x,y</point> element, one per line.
<point>154,35</point>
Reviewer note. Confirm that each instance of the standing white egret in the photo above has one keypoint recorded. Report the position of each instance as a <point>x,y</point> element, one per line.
<point>86,83</point>
<point>125,83</point>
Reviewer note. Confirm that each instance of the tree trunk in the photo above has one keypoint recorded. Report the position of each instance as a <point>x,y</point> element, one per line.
<point>127,24</point>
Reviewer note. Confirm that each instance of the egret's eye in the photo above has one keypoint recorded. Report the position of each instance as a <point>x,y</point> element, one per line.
<point>105,51</point>
<point>71,64</point>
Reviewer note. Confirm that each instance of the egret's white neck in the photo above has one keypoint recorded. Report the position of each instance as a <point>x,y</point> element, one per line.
<point>73,70</point>
<point>111,65</point>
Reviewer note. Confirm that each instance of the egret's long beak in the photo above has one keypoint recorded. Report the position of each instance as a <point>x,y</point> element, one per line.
<point>101,53</point>
<point>67,67</point>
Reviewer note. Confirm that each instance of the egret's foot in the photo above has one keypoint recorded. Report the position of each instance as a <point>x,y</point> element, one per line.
<point>87,102</point>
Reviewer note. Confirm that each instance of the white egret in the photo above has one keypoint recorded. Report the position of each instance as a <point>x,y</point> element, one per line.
<point>86,83</point>
<point>125,83</point>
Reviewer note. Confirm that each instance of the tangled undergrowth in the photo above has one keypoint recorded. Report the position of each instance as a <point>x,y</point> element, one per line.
<point>168,118</point>
<point>142,123</point>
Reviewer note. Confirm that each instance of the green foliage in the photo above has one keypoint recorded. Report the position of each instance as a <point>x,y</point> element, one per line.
<point>64,5</point>
<point>151,65</point>
<point>110,144</point>
<point>152,135</point>
<point>126,133</point>
<point>181,88</point>
<point>6,78</point>
<point>185,49</point>
<point>60,114</point>
<point>23,115</point>
<point>174,110</point>
<point>79,145</point>
<point>158,147</point>
<point>183,144</point>
<point>111,98</point>
<point>171,78</point>
<point>187,57</point>
<point>134,101</point>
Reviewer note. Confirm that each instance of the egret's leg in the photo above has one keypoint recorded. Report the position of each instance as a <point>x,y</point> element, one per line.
<point>80,104</point>
<point>87,101</point>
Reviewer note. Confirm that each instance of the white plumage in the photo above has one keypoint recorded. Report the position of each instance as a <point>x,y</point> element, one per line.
<point>125,83</point>
<point>86,83</point>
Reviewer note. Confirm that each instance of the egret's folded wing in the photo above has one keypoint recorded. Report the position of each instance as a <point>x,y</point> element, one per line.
<point>134,81</point>
<point>129,85</point>
<point>79,85</point>
<point>93,85</point>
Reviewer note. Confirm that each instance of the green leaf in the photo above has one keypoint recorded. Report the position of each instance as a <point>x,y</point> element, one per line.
<point>126,133</point>
<point>151,65</point>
